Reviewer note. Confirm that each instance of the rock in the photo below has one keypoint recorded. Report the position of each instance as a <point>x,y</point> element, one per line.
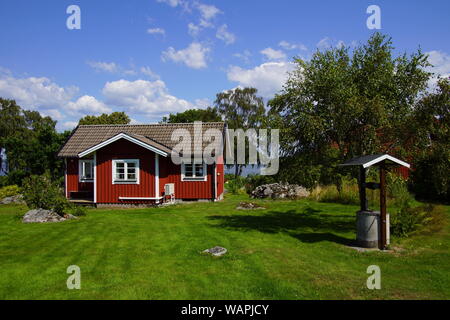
<point>41,216</point>
<point>249,206</point>
<point>18,199</point>
<point>216,251</point>
<point>280,191</point>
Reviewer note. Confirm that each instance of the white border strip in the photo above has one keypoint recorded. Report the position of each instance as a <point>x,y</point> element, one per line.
<point>122,136</point>
<point>140,198</point>
<point>386,157</point>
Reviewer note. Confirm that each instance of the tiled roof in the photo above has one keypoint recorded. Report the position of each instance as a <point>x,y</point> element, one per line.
<point>157,135</point>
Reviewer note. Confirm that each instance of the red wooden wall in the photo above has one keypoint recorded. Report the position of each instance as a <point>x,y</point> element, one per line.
<point>107,192</point>
<point>72,181</point>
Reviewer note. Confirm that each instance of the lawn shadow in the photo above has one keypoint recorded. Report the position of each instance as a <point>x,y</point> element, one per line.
<point>307,224</point>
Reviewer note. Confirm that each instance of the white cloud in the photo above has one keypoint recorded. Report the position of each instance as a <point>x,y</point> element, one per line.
<point>272,54</point>
<point>268,77</point>
<point>325,43</point>
<point>172,3</point>
<point>88,105</point>
<point>156,31</point>
<point>69,125</point>
<point>55,114</point>
<point>110,67</point>
<point>32,93</point>
<point>141,96</point>
<point>224,35</point>
<point>291,46</point>
<point>440,61</point>
<point>193,29</point>
<point>148,72</point>
<point>244,56</point>
<point>207,12</point>
<point>194,56</point>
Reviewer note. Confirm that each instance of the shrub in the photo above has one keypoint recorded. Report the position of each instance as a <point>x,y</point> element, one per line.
<point>408,221</point>
<point>348,195</point>
<point>9,191</point>
<point>397,190</point>
<point>236,185</point>
<point>41,192</point>
<point>75,210</point>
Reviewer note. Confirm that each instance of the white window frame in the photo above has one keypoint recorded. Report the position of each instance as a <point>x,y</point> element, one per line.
<point>125,161</point>
<point>81,170</point>
<point>194,177</point>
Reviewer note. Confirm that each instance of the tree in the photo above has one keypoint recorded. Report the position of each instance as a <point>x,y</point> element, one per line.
<point>205,115</point>
<point>242,109</point>
<point>431,172</point>
<point>30,141</point>
<point>340,105</point>
<point>113,118</point>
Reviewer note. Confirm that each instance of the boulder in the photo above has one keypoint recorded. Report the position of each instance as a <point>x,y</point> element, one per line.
<point>280,191</point>
<point>17,199</point>
<point>216,251</point>
<point>41,216</point>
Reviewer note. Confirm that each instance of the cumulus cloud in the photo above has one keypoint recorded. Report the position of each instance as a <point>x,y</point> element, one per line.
<point>291,46</point>
<point>193,29</point>
<point>141,96</point>
<point>156,31</point>
<point>194,56</point>
<point>207,11</point>
<point>69,125</point>
<point>272,54</point>
<point>32,92</point>
<point>149,72</point>
<point>440,61</point>
<point>88,105</point>
<point>244,56</point>
<point>268,77</point>
<point>100,66</point>
<point>172,3</point>
<point>224,35</point>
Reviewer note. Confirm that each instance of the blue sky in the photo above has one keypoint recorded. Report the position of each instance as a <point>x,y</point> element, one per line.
<point>152,57</point>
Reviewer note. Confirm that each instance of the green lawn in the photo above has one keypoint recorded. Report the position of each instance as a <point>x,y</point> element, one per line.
<point>291,250</point>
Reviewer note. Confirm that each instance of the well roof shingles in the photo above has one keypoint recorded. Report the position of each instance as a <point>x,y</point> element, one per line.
<point>158,135</point>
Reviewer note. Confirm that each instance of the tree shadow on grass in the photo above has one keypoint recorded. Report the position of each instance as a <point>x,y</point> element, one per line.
<point>307,225</point>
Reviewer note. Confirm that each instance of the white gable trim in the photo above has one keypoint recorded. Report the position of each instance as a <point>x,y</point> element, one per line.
<point>122,136</point>
<point>386,157</point>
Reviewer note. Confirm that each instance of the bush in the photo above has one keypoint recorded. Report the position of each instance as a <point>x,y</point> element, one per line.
<point>348,195</point>
<point>75,210</point>
<point>408,221</point>
<point>9,191</point>
<point>397,191</point>
<point>236,185</point>
<point>41,192</point>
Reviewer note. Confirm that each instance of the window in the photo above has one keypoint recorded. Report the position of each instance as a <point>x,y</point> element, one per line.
<point>126,171</point>
<point>193,172</point>
<point>86,170</point>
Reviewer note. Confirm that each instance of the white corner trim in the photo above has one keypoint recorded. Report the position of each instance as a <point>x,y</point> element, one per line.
<point>386,157</point>
<point>65,177</point>
<point>156,175</point>
<point>95,177</point>
<point>122,136</point>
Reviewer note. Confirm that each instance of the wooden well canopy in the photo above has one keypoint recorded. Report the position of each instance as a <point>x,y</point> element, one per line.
<point>383,161</point>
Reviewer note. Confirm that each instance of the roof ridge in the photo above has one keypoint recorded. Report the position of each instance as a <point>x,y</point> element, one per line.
<point>142,124</point>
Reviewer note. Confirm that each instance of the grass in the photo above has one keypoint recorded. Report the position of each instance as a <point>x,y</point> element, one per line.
<point>291,250</point>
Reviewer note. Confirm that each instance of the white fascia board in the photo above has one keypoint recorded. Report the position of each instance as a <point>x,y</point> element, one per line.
<point>386,157</point>
<point>122,136</point>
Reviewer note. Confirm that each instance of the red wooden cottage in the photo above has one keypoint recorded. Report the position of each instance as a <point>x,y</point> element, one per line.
<point>132,164</point>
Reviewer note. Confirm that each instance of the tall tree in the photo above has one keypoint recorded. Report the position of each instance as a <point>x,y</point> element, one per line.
<point>241,108</point>
<point>339,105</point>
<point>113,118</point>
<point>205,115</point>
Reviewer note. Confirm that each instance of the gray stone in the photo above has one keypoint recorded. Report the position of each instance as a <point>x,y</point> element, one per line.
<point>41,216</point>
<point>18,199</point>
<point>249,206</point>
<point>216,251</point>
<point>280,191</point>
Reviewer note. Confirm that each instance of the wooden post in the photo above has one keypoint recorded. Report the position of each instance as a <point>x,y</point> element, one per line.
<point>362,188</point>
<point>382,240</point>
